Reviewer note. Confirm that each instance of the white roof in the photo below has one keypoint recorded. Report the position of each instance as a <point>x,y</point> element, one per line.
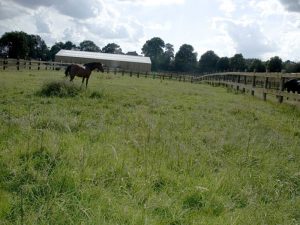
<point>104,56</point>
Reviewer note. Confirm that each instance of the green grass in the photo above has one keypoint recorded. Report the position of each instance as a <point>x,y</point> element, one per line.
<point>143,151</point>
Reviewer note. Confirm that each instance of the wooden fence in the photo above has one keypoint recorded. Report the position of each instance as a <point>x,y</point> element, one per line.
<point>20,64</point>
<point>262,84</point>
<point>255,83</point>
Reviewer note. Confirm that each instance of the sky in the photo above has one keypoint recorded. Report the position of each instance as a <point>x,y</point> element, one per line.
<point>255,28</point>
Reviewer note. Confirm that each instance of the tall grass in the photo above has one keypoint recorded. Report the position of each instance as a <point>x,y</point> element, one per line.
<point>59,89</point>
<point>141,151</point>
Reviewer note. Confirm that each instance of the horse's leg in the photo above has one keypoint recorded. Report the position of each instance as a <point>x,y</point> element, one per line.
<point>72,78</point>
<point>87,80</point>
<point>82,81</point>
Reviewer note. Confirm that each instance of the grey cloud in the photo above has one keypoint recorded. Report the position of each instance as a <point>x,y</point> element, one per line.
<point>108,32</point>
<point>81,9</point>
<point>8,11</point>
<point>34,3</point>
<point>250,40</point>
<point>42,26</point>
<point>291,5</point>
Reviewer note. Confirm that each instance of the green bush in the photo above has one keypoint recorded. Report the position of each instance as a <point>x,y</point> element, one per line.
<point>97,94</point>
<point>59,89</point>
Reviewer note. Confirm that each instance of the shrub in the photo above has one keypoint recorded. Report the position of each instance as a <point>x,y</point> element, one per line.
<point>59,89</point>
<point>97,94</point>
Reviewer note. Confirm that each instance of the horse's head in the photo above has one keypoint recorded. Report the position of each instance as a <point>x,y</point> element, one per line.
<point>99,66</point>
<point>94,65</point>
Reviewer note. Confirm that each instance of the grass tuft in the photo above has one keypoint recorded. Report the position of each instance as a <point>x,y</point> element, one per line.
<point>59,89</point>
<point>194,201</point>
<point>97,95</point>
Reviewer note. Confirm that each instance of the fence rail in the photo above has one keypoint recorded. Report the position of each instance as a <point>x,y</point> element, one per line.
<point>20,64</point>
<point>255,83</point>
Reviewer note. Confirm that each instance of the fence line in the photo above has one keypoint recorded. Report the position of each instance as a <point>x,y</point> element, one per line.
<point>261,83</point>
<point>20,64</point>
<point>255,83</point>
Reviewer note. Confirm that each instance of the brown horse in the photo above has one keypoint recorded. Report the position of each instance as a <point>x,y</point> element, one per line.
<point>84,72</point>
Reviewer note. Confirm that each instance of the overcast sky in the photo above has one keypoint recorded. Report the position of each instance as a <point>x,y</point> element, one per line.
<point>256,28</point>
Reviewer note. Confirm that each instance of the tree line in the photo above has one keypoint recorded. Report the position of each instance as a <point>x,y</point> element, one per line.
<point>28,46</point>
<point>163,57</point>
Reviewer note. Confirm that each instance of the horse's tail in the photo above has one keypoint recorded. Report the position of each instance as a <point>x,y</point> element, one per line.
<point>68,70</point>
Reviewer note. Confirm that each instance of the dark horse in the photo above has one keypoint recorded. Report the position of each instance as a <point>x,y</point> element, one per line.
<point>292,85</point>
<point>84,72</point>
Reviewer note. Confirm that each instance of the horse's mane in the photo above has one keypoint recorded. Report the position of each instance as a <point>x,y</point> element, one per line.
<point>91,65</point>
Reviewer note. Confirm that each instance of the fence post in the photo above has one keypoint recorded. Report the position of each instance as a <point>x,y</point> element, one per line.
<point>265,87</point>
<point>138,75</point>
<point>39,64</point>
<point>238,81</point>
<point>18,64</point>
<point>225,80</point>
<point>253,84</point>
<point>4,63</point>
<point>122,72</point>
<point>281,87</point>
<point>29,64</point>
<point>245,83</point>
<point>115,71</point>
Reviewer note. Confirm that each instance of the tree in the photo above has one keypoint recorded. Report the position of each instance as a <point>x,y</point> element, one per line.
<point>153,48</point>
<point>112,48</point>
<point>258,66</point>
<point>22,45</point>
<point>291,67</point>
<point>37,47</point>
<point>169,51</point>
<point>15,44</point>
<point>237,63</point>
<point>55,49</point>
<point>275,64</point>
<point>68,45</point>
<point>208,62</point>
<point>132,53</point>
<point>167,57</point>
<point>186,59</point>
<point>89,46</point>
<point>223,64</point>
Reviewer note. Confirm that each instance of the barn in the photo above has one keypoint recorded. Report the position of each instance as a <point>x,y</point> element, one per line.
<point>114,61</point>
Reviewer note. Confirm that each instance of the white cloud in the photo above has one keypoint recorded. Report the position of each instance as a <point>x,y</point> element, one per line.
<point>154,2</point>
<point>256,28</point>
<point>227,6</point>
<point>58,22</point>
<point>267,8</point>
<point>247,37</point>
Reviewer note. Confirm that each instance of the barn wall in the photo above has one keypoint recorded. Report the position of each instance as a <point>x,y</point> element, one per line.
<point>132,66</point>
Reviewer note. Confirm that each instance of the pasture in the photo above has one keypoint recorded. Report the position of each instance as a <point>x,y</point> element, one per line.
<point>144,151</point>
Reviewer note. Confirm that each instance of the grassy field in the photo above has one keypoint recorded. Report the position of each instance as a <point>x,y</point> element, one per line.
<point>144,151</point>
